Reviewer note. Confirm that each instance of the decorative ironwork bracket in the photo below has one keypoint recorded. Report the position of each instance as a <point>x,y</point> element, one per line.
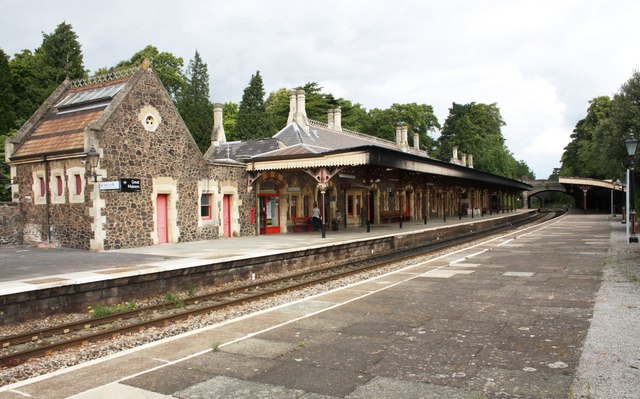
<point>252,176</point>
<point>322,175</point>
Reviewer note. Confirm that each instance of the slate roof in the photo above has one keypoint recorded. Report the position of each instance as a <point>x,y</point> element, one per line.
<point>328,139</point>
<point>293,141</point>
<point>239,150</point>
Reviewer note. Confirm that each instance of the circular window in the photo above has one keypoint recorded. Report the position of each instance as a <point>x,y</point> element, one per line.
<point>150,118</point>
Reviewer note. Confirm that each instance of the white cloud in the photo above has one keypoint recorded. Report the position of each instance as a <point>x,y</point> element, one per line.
<point>540,61</point>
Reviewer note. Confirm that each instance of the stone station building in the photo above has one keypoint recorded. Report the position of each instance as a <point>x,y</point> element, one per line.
<point>150,183</point>
<point>360,179</point>
<point>107,163</point>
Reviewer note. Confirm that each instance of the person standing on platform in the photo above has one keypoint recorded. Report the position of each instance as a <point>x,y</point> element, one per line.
<point>315,217</point>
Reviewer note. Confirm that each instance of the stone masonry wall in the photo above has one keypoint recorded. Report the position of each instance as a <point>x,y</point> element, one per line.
<point>132,151</point>
<point>11,224</point>
<point>69,222</point>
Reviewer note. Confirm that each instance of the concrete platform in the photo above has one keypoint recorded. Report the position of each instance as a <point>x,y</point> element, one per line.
<point>27,268</point>
<point>506,318</point>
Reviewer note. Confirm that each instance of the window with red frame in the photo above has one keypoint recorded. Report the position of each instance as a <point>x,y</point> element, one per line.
<point>42,187</point>
<point>205,207</point>
<point>78,184</point>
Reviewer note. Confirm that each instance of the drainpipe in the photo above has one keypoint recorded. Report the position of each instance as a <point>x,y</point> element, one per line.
<point>46,196</point>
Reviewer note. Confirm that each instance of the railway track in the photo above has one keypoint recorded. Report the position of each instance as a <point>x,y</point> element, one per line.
<point>20,348</point>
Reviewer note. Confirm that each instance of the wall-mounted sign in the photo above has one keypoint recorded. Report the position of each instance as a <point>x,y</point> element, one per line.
<point>294,189</point>
<point>109,185</point>
<point>130,185</point>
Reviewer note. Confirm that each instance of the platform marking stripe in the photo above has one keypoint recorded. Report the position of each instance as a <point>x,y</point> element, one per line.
<point>505,242</point>
<point>217,325</point>
<point>26,395</point>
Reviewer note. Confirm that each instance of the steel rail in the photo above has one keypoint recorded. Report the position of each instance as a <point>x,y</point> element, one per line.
<point>334,272</point>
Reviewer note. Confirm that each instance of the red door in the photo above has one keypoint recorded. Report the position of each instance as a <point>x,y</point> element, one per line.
<point>270,214</point>
<point>226,215</point>
<point>161,205</point>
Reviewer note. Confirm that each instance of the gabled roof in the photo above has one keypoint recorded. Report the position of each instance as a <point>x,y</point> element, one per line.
<point>321,136</point>
<point>58,126</point>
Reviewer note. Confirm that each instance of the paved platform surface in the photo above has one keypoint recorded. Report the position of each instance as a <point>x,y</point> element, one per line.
<point>26,268</point>
<point>507,318</point>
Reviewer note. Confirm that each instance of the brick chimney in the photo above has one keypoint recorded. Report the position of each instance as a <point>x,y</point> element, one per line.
<point>330,119</point>
<point>217,136</point>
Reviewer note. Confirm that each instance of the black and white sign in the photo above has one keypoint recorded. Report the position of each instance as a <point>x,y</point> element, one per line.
<point>129,185</point>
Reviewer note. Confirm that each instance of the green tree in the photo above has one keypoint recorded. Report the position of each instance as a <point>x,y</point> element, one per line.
<point>27,78</point>
<point>354,116</point>
<point>8,99</point>
<point>317,104</point>
<point>194,105</point>
<point>253,122</point>
<point>277,105</point>
<point>35,75</point>
<point>229,119</point>
<point>476,129</point>
<point>60,55</point>
<point>419,118</point>
<point>582,156</point>
<point>167,66</point>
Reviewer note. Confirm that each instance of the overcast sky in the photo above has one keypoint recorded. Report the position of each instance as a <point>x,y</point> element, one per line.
<point>540,61</point>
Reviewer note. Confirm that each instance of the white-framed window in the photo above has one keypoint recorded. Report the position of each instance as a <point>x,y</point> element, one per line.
<point>39,187</point>
<point>76,179</point>
<point>57,187</point>
<point>206,206</point>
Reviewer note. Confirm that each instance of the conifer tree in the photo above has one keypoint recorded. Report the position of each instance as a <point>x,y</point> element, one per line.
<point>36,74</point>
<point>7,97</point>
<point>194,105</point>
<point>60,55</point>
<point>253,121</point>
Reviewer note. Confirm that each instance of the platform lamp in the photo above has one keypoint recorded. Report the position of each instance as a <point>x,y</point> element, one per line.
<point>632,147</point>
<point>94,158</point>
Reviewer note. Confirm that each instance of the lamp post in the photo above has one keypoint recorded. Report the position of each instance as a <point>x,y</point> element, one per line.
<point>94,158</point>
<point>632,147</point>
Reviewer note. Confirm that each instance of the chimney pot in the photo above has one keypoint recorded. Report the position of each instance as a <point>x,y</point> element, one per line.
<point>218,135</point>
<point>398,135</point>
<point>292,107</point>
<point>330,119</point>
<point>337,118</point>
<point>301,113</point>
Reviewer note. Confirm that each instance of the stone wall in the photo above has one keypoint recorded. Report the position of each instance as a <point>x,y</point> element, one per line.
<point>11,224</point>
<point>130,147</point>
<point>69,222</point>
<point>168,153</point>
